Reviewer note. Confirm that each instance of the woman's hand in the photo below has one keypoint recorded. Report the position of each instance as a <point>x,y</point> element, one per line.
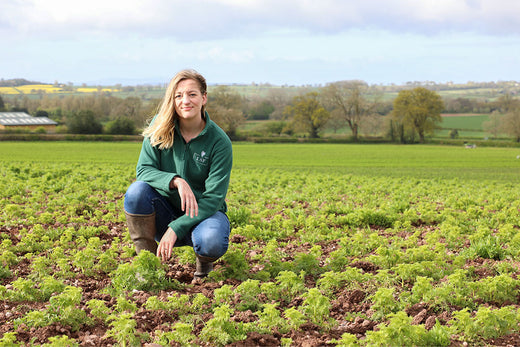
<point>188,201</point>
<point>164,250</point>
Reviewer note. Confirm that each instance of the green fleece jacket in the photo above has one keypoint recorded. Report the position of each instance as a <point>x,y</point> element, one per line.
<point>204,162</point>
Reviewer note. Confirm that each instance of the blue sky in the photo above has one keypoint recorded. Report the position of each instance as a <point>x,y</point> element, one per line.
<point>293,42</point>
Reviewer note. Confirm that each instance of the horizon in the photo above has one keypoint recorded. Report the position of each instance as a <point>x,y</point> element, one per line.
<point>161,84</point>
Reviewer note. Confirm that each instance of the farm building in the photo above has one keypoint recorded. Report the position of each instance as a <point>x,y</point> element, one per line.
<point>22,120</point>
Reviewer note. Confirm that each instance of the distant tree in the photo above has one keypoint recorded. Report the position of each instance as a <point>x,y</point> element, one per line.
<point>83,122</point>
<point>229,119</point>
<point>336,120</point>
<point>494,124</point>
<point>41,113</point>
<point>279,98</point>
<point>130,108</point>
<point>275,127</point>
<point>507,103</point>
<point>460,105</point>
<point>454,133</point>
<point>224,97</point>
<point>261,110</point>
<point>373,125</point>
<point>418,110</point>
<point>225,108</point>
<point>2,105</point>
<point>19,109</point>
<point>351,100</point>
<point>120,126</point>
<point>308,113</point>
<point>511,123</point>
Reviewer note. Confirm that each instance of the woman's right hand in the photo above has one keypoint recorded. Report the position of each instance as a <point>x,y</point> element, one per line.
<point>188,201</point>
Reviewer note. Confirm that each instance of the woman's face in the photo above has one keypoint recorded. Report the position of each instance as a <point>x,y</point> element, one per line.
<point>189,99</point>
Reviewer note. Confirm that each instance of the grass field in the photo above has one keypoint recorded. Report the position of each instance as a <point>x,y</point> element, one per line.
<point>381,160</point>
<point>331,244</point>
<point>466,122</point>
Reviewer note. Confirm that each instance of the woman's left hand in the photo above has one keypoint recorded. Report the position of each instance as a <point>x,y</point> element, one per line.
<point>164,251</point>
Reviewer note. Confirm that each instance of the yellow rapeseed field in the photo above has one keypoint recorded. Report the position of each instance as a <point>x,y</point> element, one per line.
<point>49,89</point>
<point>93,90</point>
<point>8,90</point>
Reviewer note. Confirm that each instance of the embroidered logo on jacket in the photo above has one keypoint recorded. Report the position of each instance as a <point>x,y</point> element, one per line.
<point>201,158</point>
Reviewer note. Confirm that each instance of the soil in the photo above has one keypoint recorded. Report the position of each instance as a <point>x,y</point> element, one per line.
<point>350,303</point>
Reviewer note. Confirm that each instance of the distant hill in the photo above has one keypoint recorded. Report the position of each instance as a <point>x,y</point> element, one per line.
<point>15,82</point>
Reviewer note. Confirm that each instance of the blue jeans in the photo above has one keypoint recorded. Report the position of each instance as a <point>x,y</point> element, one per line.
<point>209,238</point>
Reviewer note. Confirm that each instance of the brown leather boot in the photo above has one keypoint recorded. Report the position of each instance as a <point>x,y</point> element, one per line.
<point>204,266</point>
<point>142,231</point>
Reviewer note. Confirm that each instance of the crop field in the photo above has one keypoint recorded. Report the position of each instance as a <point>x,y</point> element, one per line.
<point>49,89</point>
<point>340,245</point>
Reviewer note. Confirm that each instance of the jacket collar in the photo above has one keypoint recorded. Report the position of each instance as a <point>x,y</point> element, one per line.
<point>203,132</point>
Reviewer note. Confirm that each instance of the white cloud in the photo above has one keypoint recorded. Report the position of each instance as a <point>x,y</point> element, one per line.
<point>277,41</point>
<point>199,19</point>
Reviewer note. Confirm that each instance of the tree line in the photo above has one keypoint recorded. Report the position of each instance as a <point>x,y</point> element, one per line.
<point>356,106</point>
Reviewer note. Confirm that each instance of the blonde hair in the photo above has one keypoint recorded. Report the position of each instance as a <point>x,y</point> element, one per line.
<point>161,130</point>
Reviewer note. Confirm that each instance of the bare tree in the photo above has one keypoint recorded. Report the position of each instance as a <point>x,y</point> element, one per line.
<point>511,123</point>
<point>507,102</point>
<point>351,99</point>
<point>225,109</point>
<point>494,124</point>
<point>279,98</point>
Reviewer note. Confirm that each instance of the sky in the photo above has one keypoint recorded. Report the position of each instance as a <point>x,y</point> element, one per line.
<point>281,42</point>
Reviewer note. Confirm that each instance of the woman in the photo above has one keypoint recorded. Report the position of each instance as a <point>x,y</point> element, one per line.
<point>183,175</point>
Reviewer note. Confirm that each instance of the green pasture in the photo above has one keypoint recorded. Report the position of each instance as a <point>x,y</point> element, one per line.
<point>416,161</point>
<point>473,122</point>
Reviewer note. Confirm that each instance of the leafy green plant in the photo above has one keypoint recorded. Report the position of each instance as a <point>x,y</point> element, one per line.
<point>248,292</point>
<point>22,290</point>
<point>145,272</point>
<point>236,266</point>
<point>9,339</point>
<point>384,303</point>
<point>125,305</point>
<point>499,289</point>
<point>316,306</point>
<point>270,318</point>
<point>123,330</point>
<point>347,340</point>
<point>307,262</point>
<point>62,308</point>
<point>98,309</point>
<point>294,317</point>
<point>272,255</point>
<point>487,247</point>
<point>182,333</point>
<point>400,332</point>
<point>239,216</point>
<point>199,301</point>
<point>223,294</point>
<point>61,341</point>
<point>220,330</point>
<point>290,284</point>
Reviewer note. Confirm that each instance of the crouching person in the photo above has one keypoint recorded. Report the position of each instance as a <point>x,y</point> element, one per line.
<point>183,176</point>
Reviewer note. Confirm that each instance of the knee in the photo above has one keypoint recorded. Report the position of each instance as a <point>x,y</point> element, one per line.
<point>135,196</point>
<point>214,240</point>
<point>214,246</point>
